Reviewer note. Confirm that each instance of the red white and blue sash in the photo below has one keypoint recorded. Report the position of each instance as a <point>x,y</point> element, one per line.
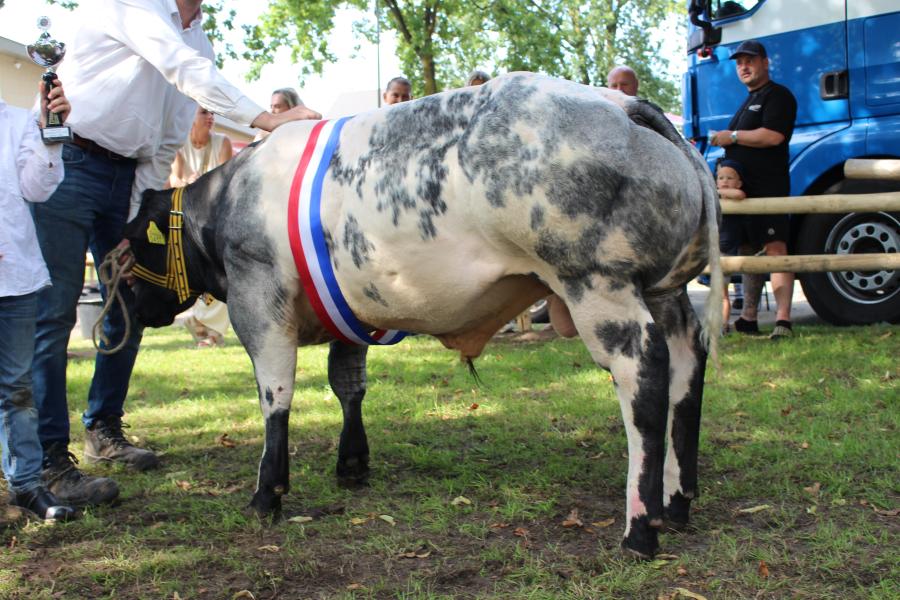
<point>308,245</point>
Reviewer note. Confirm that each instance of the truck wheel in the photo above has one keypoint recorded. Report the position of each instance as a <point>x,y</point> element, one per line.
<point>852,297</point>
<point>540,311</point>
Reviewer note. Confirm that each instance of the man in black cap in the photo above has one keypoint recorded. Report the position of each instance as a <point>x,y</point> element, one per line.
<point>758,137</point>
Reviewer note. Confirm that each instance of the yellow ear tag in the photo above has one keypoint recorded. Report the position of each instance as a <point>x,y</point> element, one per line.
<point>154,235</point>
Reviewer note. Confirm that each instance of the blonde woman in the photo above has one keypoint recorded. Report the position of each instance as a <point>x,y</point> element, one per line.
<point>203,151</point>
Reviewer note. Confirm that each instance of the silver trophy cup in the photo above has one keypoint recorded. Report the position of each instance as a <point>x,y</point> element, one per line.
<point>48,53</point>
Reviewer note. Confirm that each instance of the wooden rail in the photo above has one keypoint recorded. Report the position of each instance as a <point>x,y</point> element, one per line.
<point>825,204</point>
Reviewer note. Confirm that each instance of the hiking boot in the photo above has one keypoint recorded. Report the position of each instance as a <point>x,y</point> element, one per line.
<point>71,486</point>
<point>42,504</point>
<point>105,442</point>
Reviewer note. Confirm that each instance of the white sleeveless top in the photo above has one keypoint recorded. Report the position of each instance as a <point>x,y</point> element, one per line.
<point>201,160</point>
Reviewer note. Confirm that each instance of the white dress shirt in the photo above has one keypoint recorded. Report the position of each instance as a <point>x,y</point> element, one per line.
<point>29,170</point>
<point>130,72</point>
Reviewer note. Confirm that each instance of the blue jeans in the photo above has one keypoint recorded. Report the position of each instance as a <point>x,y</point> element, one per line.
<point>88,210</point>
<point>22,455</point>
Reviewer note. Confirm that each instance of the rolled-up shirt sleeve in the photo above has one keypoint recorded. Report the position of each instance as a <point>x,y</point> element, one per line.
<point>147,34</point>
<point>40,166</point>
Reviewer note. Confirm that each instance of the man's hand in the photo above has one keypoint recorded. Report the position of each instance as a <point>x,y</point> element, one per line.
<point>268,121</point>
<point>126,258</point>
<point>56,101</point>
<point>720,138</point>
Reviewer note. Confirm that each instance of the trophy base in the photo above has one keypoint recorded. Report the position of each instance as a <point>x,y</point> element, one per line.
<point>56,135</point>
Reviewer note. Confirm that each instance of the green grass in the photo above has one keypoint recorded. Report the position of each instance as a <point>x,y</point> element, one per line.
<point>546,437</point>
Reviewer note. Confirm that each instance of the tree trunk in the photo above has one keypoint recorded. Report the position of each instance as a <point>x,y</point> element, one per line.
<point>428,74</point>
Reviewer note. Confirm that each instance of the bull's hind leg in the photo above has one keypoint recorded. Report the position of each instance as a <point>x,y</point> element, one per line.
<point>634,350</point>
<point>347,377</point>
<point>272,346</point>
<point>674,314</point>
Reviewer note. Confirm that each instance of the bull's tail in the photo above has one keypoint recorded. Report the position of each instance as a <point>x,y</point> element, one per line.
<point>649,115</point>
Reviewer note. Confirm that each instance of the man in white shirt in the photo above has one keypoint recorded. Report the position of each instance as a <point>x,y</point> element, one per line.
<point>29,172</point>
<point>133,71</point>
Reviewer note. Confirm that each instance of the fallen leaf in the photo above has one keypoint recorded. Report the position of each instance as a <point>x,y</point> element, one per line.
<point>681,571</point>
<point>223,440</point>
<point>243,594</point>
<point>460,500</point>
<point>596,456</point>
<point>185,485</point>
<point>358,521</point>
<point>425,554</point>
<point>356,586</point>
<point>839,502</point>
<point>520,532</point>
<point>812,510</point>
<point>407,555</point>
<point>689,594</point>
<point>176,596</point>
<point>763,569</point>
<point>754,509</point>
<point>498,525</point>
<point>863,502</point>
<point>886,335</point>
<point>473,406</point>
<point>388,519</point>
<point>804,445</point>
<point>658,564</point>
<point>770,385</point>
<point>664,556</point>
<point>886,513</point>
<point>813,489</point>
<point>573,520</point>
<point>743,414</point>
<point>604,522</point>
<point>270,548</point>
<point>300,519</point>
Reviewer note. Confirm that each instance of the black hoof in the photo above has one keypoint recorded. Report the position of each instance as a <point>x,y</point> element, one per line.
<point>353,472</point>
<point>678,512</point>
<point>266,505</point>
<point>642,540</point>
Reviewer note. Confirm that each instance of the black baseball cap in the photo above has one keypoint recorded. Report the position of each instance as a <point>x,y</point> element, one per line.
<point>751,47</point>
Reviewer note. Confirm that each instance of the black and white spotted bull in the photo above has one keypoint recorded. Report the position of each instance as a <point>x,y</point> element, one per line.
<point>448,216</point>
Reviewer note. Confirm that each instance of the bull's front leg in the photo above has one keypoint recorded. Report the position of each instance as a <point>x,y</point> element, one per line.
<point>275,364</point>
<point>347,377</point>
<point>268,334</point>
<point>635,352</point>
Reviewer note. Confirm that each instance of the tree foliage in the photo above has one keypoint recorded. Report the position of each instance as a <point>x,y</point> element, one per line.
<point>439,41</point>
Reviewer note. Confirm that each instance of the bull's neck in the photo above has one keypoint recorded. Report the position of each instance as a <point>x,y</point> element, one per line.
<point>203,272</point>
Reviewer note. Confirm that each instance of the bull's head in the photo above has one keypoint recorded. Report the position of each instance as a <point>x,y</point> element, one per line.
<point>161,286</point>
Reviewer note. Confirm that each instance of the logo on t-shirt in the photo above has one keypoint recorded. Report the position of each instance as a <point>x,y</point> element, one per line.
<point>754,107</point>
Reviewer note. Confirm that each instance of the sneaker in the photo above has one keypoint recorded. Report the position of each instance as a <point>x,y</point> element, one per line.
<point>105,442</point>
<point>43,505</point>
<point>742,325</point>
<point>71,486</point>
<point>782,330</point>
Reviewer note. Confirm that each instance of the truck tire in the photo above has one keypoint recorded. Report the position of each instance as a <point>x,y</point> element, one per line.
<point>852,297</point>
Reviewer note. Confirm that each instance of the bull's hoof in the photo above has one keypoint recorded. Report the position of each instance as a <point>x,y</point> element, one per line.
<point>353,472</point>
<point>266,506</point>
<point>678,512</point>
<point>642,540</point>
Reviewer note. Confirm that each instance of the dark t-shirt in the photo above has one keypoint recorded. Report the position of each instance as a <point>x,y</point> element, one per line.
<point>766,169</point>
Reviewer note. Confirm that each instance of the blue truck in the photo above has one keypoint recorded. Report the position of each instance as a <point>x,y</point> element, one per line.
<point>841,59</point>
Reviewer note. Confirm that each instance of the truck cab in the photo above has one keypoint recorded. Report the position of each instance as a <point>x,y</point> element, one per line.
<point>840,60</point>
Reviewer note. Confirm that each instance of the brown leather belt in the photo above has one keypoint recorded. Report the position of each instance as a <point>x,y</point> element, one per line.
<point>92,147</point>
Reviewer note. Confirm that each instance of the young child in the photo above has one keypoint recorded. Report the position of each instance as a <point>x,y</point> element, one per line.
<point>31,172</point>
<point>398,90</point>
<point>729,181</point>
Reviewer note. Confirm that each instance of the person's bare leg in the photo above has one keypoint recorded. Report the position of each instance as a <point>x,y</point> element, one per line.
<point>753,284</point>
<point>782,283</point>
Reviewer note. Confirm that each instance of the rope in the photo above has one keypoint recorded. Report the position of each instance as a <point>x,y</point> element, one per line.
<point>110,272</point>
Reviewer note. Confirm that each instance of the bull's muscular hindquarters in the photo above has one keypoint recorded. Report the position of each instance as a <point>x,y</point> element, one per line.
<point>347,377</point>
